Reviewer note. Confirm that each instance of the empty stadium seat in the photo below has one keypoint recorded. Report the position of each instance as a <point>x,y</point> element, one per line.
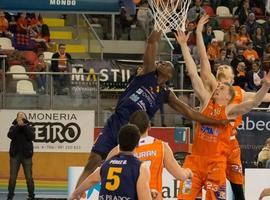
<point>226,23</point>
<point>48,57</point>
<point>25,87</point>
<point>18,69</point>
<point>219,35</point>
<point>223,11</point>
<point>6,43</point>
<point>260,21</point>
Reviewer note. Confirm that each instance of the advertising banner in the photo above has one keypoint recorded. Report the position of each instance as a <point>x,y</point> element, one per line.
<point>114,74</point>
<point>252,134</point>
<point>253,189</point>
<point>62,5</point>
<point>55,131</point>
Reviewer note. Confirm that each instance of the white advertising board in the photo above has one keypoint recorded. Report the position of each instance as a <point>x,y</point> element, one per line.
<point>55,130</point>
<point>255,181</point>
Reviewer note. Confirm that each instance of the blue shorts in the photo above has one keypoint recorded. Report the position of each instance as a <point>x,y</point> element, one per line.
<point>108,137</point>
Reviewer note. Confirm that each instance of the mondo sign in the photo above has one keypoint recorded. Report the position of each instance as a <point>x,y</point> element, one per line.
<point>55,131</point>
<point>86,6</point>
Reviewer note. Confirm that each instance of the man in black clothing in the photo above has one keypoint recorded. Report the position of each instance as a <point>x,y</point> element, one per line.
<point>60,63</point>
<point>21,153</point>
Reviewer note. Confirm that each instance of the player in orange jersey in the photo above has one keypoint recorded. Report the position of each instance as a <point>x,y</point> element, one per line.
<point>225,74</point>
<point>156,153</point>
<point>210,146</point>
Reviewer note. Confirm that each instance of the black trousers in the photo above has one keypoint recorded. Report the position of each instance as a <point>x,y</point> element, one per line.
<point>15,163</point>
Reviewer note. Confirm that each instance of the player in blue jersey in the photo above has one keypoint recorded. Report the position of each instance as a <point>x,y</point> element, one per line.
<point>147,91</point>
<point>123,176</point>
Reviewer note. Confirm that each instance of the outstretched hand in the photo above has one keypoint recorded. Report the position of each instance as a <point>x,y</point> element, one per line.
<point>203,20</point>
<point>181,37</point>
<point>266,79</point>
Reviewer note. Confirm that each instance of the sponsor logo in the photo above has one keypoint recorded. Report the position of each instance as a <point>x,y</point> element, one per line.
<point>260,125</point>
<point>56,132</point>
<point>63,2</point>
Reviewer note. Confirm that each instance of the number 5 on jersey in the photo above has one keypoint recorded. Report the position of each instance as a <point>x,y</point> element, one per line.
<point>113,178</point>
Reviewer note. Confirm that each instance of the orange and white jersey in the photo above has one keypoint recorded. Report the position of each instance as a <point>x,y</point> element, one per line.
<point>151,150</point>
<point>211,140</point>
<point>237,100</point>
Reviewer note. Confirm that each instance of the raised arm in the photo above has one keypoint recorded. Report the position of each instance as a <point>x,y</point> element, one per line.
<point>196,81</point>
<point>173,167</point>
<point>242,108</point>
<point>90,181</point>
<point>208,78</point>
<point>250,95</point>
<point>150,52</point>
<point>188,112</point>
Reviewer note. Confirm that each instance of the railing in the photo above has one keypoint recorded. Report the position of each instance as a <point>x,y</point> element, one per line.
<point>99,99</point>
<point>50,100</point>
<point>95,35</point>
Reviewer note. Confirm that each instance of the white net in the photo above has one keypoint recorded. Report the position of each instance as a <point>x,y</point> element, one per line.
<point>169,15</point>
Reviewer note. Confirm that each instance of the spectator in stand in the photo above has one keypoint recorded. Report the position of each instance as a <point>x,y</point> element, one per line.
<point>213,51</point>
<point>242,37</point>
<point>35,22</point>
<point>22,23</point>
<point>238,58</point>
<point>266,54</point>
<point>231,34</point>
<point>43,39</point>
<point>144,18</point>
<point>240,77</point>
<point>251,24</point>
<point>250,54</point>
<point>208,35</point>
<point>264,154</point>
<point>195,12</point>
<point>4,26</point>
<point>266,27</point>
<point>230,51</point>
<point>255,76</point>
<point>12,24</point>
<point>192,37</point>
<point>127,16</point>
<point>223,59</point>
<point>243,11</point>
<point>41,66</point>
<point>60,63</point>
<point>259,41</point>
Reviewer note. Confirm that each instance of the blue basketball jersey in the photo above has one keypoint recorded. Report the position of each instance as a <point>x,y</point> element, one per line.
<point>142,93</point>
<point>119,177</point>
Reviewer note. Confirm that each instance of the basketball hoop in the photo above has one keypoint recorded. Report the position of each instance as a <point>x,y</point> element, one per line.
<point>169,15</point>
